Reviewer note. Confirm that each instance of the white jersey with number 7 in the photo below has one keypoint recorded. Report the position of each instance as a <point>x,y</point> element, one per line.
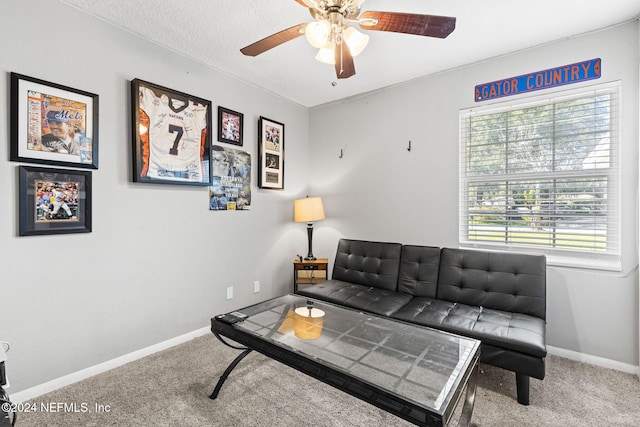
<point>173,146</point>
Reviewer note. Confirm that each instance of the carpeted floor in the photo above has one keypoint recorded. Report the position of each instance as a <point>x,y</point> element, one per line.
<point>171,388</point>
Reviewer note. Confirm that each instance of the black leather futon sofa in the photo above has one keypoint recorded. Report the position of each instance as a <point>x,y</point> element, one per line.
<point>498,298</point>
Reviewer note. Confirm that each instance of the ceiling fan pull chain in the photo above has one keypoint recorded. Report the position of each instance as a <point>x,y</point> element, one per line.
<point>339,42</point>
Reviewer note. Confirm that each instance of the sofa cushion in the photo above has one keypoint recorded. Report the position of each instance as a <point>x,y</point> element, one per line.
<point>503,329</point>
<point>373,264</point>
<point>360,297</point>
<point>419,270</point>
<point>502,281</point>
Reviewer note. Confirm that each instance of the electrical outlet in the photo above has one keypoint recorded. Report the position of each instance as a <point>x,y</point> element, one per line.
<point>256,286</point>
<point>230,292</point>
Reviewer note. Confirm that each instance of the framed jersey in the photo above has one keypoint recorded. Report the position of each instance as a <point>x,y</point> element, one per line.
<point>171,136</point>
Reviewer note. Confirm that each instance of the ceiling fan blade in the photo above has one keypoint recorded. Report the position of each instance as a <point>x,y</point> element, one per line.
<point>344,62</point>
<point>274,40</point>
<point>408,23</point>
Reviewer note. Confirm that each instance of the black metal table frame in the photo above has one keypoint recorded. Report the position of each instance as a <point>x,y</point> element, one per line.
<point>349,384</point>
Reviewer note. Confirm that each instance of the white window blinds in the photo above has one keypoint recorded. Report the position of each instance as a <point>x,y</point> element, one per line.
<point>543,176</point>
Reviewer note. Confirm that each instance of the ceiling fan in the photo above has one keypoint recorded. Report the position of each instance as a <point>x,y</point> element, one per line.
<point>338,42</point>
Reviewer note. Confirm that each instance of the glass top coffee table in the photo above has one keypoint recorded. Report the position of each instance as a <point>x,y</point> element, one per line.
<point>416,373</point>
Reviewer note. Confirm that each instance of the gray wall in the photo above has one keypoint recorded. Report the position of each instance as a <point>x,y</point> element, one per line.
<point>381,191</point>
<point>158,262</point>
<point>74,301</point>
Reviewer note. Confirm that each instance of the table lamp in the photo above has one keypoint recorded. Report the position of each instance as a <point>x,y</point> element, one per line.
<point>308,210</point>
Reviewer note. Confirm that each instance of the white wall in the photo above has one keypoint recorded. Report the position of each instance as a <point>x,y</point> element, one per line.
<point>158,261</point>
<point>381,191</point>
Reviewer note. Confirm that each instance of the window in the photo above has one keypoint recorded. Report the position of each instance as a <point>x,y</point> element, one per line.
<point>543,177</point>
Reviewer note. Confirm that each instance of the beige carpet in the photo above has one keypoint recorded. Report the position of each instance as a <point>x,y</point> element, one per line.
<point>171,388</point>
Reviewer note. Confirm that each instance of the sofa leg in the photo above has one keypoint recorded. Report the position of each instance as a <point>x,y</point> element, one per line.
<point>522,386</point>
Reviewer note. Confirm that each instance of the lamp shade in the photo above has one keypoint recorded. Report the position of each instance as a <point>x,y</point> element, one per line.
<point>307,324</point>
<point>308,209</point>
<point>355,40</point>
<point>318,33</point>
<point>327,54</point>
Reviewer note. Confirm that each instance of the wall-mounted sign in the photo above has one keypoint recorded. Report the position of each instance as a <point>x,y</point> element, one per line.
<point>567,74</point>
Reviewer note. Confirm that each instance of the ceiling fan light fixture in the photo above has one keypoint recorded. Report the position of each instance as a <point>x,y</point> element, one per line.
<point>356,40</point>
<point>338,42</point>
<point>318,33</point>
<point>326,54</point>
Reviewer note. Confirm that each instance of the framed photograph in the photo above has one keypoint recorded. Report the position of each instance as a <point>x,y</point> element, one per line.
<point>271,154</point>
<point>53,124</point>
<point>54,201</point>
<point>171,136</point>
<point>229,126</point>
<point>231,187</point>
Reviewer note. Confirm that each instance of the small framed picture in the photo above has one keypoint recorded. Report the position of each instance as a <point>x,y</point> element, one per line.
<point>270,154</point>
<point>229,126</point>
<point>53,124</point>
<point>54,201</point>
<point>171,136</point>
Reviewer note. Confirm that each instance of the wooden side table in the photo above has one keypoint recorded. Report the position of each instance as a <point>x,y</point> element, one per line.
<point>309,272</point>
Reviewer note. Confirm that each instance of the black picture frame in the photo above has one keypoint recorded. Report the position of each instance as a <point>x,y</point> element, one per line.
<point>230,126</point>
<point>270,154</point>
<point>54,201</point>
<point>53,124</point>
<point>171,135</point>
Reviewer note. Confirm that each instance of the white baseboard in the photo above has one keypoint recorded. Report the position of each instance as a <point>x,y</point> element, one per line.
<point>57,383</point>
<point>30,393</point>
<point>594,360</point>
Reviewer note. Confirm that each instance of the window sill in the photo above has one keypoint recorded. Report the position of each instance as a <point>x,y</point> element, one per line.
<point>587,261</point>
<point>585,264</point>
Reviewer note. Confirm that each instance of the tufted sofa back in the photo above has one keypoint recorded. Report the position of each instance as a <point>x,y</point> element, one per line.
<point>419,270</point>
<point>373,264</point>
<point>502,281</point>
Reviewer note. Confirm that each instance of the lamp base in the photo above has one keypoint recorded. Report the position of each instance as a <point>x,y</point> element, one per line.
<point>310,256</point>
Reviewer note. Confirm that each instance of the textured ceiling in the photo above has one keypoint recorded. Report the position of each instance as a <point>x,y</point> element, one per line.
<point>213,32</point>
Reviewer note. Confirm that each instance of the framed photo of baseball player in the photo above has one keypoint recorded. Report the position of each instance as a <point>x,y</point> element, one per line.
<point>270,154</point>
<point>171,136</point>
<point>54,201</point>
<point>53,124</point>
<point>229,126</point>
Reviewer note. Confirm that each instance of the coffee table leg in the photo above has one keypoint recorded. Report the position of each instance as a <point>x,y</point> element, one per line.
<point>227,371</point>
<point>469,399</point>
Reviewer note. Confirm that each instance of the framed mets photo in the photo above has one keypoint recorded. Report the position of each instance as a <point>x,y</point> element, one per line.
<point>229,126</point>
<point>270,154</point>
<point>54,201</point>
<point>53,124</point>
<point>171,136</point>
